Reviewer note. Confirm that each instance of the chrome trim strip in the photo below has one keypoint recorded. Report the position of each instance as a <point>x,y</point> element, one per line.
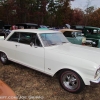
<point>96,81</point>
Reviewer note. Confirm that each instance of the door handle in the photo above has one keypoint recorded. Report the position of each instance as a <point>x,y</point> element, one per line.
<point>17,45</point>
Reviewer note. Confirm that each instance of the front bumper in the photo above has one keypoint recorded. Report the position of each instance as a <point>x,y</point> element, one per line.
<point>96,81</point>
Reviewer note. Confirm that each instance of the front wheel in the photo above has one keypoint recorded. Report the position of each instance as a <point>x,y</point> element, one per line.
<point>71,81</point>
<point>3,58</point>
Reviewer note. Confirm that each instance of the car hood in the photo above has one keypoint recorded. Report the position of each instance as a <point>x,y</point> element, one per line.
<point>83,52</point>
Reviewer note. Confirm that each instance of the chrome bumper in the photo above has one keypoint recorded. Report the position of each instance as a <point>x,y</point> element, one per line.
<point>96,81</point>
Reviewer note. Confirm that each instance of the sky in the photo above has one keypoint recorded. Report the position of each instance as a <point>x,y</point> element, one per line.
<point>83,4</point>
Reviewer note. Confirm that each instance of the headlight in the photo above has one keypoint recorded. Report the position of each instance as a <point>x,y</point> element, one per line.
<point>84,40</point>
<point>97,72</point>
<point>93,42</point>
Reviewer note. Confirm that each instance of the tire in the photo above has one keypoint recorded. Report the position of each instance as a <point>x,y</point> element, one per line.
<point>4,58</point>
<point>71,81</point>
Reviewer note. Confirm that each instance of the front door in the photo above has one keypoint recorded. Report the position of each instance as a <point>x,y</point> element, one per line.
<point>26,54</point>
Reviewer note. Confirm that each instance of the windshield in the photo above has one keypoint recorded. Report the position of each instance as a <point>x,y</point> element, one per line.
<point>50,39</point>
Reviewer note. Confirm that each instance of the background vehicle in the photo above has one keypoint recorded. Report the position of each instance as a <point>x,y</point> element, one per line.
<point>7,30</point>
<point>27,26</point>
<point>4,29</point>
<point>74,36</point>
<point>2,34</point>
<point>92,34</point>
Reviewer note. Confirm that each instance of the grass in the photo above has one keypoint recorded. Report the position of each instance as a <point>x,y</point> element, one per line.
<point>33,85</point>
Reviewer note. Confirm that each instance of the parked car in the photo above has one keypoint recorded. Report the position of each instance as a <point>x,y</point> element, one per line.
<point>4,33</point>
<point>5,29</point>
<point>74,36</point>
<point>27,26</point>
<point>30,26</point>
<point>50,52</point>
<point>1,28</point>
<point>6,93</point>
<point>43,26</point>
<point>92,34</point>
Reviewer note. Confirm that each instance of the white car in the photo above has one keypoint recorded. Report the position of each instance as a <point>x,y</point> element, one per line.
<point>50,52</point>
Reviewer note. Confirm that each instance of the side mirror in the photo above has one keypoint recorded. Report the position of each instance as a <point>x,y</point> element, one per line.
<point>31,44</point>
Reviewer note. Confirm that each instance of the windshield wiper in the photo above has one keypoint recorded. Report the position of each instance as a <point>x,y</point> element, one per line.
<point>64,42</point>
<point>53,43</point>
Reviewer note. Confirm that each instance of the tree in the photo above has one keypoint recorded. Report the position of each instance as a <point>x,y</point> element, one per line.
<point>51,12</point>
<point>59,11</point>
<point>87,10</point>
<point>94,18</point>
<point>77,18</point>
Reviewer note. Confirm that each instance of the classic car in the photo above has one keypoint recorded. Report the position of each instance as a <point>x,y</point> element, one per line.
<point>49,51</point>
<point>30,26</point>
<point>74,36</point>
<point>92,34</point>
<point>6,93</point>
<point>27,26</point>
<point>4,29</point>
<point>4,33</point>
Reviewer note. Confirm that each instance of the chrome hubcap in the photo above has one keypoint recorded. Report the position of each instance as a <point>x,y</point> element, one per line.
<point>70,81</point>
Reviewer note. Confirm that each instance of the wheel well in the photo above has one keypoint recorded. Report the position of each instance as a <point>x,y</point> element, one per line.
<point>3,52</point>
<point>61,70</point>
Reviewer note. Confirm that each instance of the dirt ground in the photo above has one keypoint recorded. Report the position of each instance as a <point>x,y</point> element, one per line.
<point>29,84</point>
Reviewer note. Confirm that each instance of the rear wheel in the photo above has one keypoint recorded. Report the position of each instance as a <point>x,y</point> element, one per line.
<point>71,81</point>
<point>3,58</point>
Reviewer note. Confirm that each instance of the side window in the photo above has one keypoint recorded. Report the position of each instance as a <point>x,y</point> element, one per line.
<point>92,31</point>
<point>14,37</point>
<point>36,40</point>
<point>67,34</point>
<point>27,38</point>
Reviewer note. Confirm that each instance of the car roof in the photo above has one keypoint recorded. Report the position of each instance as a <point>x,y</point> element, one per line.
<point>91,27</point>
<point>35,31</point>
<point>70,30</point>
